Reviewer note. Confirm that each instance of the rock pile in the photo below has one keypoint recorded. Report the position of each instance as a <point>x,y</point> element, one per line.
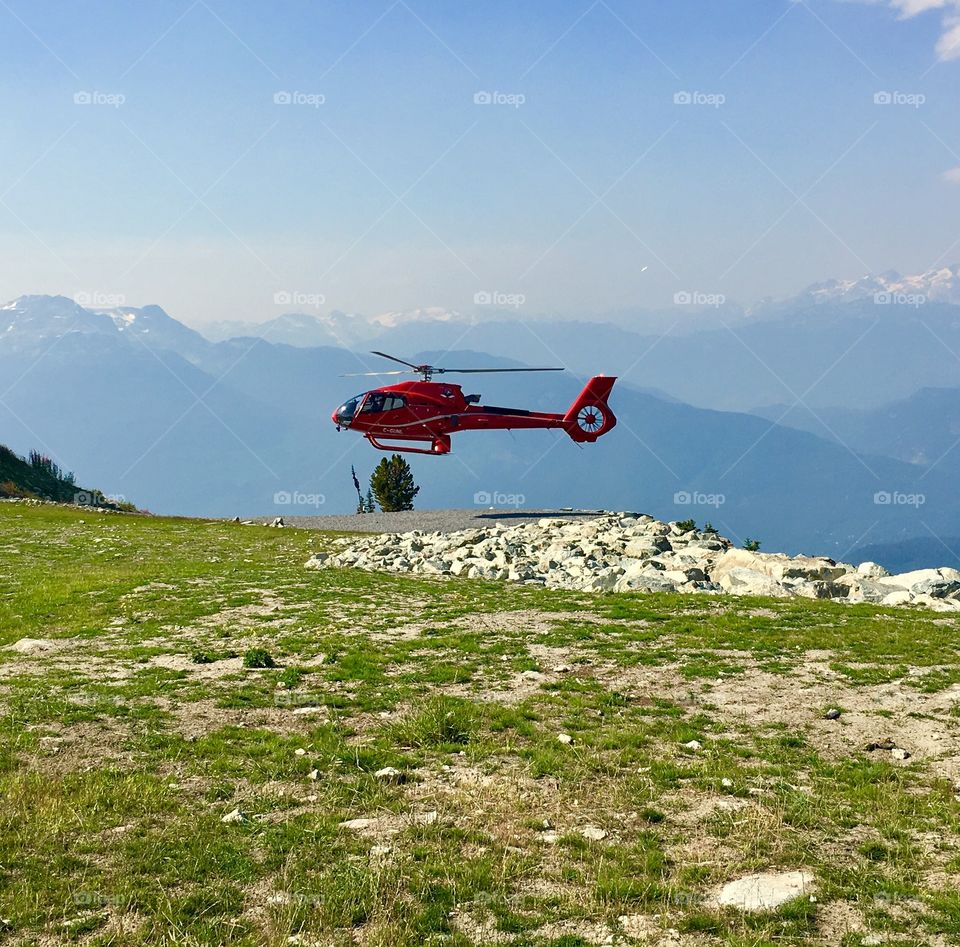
<point>622,552</point>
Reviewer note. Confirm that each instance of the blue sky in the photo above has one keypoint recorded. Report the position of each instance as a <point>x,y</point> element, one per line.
<point>584,185</point>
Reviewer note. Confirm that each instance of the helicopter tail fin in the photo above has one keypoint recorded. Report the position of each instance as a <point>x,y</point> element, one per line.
<point>590,416</point>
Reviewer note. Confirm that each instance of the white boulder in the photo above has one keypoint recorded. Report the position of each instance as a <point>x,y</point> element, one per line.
<point>765,891</point>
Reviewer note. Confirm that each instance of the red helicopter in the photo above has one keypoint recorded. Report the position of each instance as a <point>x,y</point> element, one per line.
<point>427,412</point>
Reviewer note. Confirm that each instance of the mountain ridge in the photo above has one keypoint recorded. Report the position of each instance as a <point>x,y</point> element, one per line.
<point>225,428</point>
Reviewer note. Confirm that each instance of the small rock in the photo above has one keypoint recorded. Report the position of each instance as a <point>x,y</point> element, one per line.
<point>357,825</point>
<point>872,571</point>
<point>693,745</point>
<point>897,597</point>
<point>314,775</point>
<point>593,833</point>
<point>564,738</point>
<point>300,751</point>
<point>832,714</point>
<point>390,775</point>
<point>309,711</point>
<point>885,744</point>
<point>32,645</point>
<point>639,927</point>
<point>898,753</point>
<point>726,783</point>
<point>235,816</point>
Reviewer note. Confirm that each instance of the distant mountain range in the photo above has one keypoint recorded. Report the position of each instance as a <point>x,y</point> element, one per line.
<point>857,343</point>
<point>304,330</point>
<point>923,429</point>
<point>938,285</point>
<point>151,409</point>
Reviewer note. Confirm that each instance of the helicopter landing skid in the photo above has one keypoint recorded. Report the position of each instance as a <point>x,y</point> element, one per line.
<point>438,445</point>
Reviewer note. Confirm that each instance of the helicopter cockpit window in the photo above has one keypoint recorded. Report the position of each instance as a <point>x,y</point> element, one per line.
<point>346,411</point>
<point>377,402</point>
<point>393,402</point>
<point>373,404</point>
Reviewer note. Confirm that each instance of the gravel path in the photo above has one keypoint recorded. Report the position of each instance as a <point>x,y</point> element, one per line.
<point>429,521</point>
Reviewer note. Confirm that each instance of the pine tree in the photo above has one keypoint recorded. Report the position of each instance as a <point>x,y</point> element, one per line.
<point>371,507</point>
<point>392,484</point>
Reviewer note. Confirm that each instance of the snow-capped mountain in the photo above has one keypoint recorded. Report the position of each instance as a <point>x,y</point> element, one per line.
<point>32,322</point>
<point>153,327</point>
<point>940,285</point>
<point>402,317</point>
<point>29,321</point>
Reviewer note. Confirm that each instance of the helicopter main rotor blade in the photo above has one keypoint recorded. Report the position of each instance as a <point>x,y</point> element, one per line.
<point>393,358</point>
<point>371,374</point>
<point>479,371</point>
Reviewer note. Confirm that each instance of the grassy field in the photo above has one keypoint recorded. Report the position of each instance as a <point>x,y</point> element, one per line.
<point>180,672</point>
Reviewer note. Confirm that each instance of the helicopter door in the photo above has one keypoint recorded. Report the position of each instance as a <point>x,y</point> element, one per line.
<point>373,403</point>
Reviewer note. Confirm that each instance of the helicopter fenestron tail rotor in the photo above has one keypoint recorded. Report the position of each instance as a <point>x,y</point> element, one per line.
<point>426,372</point>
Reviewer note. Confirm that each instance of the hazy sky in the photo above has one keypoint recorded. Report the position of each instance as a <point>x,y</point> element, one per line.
<point>369,156</point>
